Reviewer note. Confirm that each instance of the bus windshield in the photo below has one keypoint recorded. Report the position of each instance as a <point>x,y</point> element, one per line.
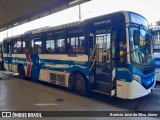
<point>141,53</point>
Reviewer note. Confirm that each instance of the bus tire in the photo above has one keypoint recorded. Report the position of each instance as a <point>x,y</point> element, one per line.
<point>21,72</point>
<point>71,83</point>
<point>80,84</point>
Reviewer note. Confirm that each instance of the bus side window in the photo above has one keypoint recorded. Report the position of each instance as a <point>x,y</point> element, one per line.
<point>60,42</point>
<point>37,47</point>
<point>80,45</point>
<point>75,45</point>
<point>26,50</point>
<point>122,49</point>
<point>50,43</point>
<point>27,47</point>
<point>69,48</point>
<point>8,48</point>
<point>17,47</point>
<point>5,48</point>
<point>37,44</point>
<point>60,46</point>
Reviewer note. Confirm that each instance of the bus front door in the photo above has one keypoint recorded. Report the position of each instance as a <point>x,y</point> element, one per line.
<point>103,68</point>
<point>9,56</point>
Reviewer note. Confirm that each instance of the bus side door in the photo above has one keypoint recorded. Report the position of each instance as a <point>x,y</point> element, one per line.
<point>102,67</point>
<point>7,55</point>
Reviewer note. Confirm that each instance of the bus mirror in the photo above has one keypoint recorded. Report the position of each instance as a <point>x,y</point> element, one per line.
<point>151,30</point>
<point>136,37</point>
<point>148,38</point>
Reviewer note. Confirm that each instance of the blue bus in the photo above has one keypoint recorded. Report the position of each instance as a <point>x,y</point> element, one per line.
<point>109,54</point>
<point>156,49</point>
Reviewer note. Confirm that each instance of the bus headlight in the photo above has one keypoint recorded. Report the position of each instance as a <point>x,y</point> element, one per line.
<point>137,78</point>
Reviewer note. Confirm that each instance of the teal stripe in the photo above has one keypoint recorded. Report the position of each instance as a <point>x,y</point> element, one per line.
<point>50,64</point>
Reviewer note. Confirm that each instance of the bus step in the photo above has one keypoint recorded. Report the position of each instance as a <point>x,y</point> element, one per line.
<point>103,86</point>
<point>103,81</point>
<point>101,92</point>
<point>103,77</point>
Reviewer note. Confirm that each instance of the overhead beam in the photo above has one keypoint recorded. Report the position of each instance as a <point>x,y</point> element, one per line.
<point>17,12</point>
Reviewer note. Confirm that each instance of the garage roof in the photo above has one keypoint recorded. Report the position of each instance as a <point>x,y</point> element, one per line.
<point>16,12</point>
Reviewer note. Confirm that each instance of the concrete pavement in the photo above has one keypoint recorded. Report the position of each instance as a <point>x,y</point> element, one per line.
<point>22,95</point>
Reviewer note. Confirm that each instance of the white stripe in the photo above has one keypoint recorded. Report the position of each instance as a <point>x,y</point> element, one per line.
<point>57,65</point>
<point>64,57</point>
<point>45,104</point>
<point>79,57</point>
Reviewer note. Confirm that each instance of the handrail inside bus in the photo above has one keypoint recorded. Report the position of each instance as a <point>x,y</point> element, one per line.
<point>94,57</point>
<point>93,51</point>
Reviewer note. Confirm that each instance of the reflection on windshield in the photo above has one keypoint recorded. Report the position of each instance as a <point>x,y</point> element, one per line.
<point>141,53</point>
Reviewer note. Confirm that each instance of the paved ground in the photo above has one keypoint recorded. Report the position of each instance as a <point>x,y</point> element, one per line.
<point>22,95</point>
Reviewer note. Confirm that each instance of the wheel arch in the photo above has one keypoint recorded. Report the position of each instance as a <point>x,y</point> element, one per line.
<point>74,73</point>
<point>80,72</point>
<point>19,66</point>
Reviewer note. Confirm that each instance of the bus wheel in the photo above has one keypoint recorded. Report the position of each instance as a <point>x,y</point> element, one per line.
<point>21,72</point>
<point>80,84</point>
<point>72,83</point>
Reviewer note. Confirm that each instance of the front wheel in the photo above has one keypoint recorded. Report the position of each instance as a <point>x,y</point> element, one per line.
<point>80,84</point>
<point>21,72</point>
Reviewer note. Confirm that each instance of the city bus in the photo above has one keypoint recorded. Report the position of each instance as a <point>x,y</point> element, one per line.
<point>156,49</point>
<point>109,54</point>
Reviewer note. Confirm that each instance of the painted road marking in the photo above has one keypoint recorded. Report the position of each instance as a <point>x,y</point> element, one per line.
<point>45,104</point>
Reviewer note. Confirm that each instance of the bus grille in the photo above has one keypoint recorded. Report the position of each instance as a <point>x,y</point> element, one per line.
<point>149,70</point>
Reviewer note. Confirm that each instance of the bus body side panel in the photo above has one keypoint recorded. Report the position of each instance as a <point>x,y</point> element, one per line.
<point>36,66</point>
<point>7,62</point>
<point>79,63</point>
<point>53,69</point>
<point>18,59</point>
<point>60,66</point>
<point>44,66</point>
<point>30,62</point>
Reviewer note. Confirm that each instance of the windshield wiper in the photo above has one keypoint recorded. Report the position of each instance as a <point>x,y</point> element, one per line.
<point>133,50</point>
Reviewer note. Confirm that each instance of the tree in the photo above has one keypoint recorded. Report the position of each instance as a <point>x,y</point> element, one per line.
<point>158,22</point>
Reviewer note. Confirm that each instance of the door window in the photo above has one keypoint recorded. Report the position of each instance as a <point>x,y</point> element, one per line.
<point>103,47</point>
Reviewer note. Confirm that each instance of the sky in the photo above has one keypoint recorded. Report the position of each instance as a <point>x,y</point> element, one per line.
<point>147,8</point>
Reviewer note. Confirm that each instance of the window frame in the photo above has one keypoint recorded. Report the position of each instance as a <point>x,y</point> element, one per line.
<point>39,40</point>
<point>27,46</point>
<point>49,39</point>
<point>16,40</point>
<point>76,33</point>
<point>60,35</point>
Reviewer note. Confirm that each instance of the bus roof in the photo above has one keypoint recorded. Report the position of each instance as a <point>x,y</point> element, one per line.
<point>56,27</point>
<point>17,36</point>
<point>72,24</point>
